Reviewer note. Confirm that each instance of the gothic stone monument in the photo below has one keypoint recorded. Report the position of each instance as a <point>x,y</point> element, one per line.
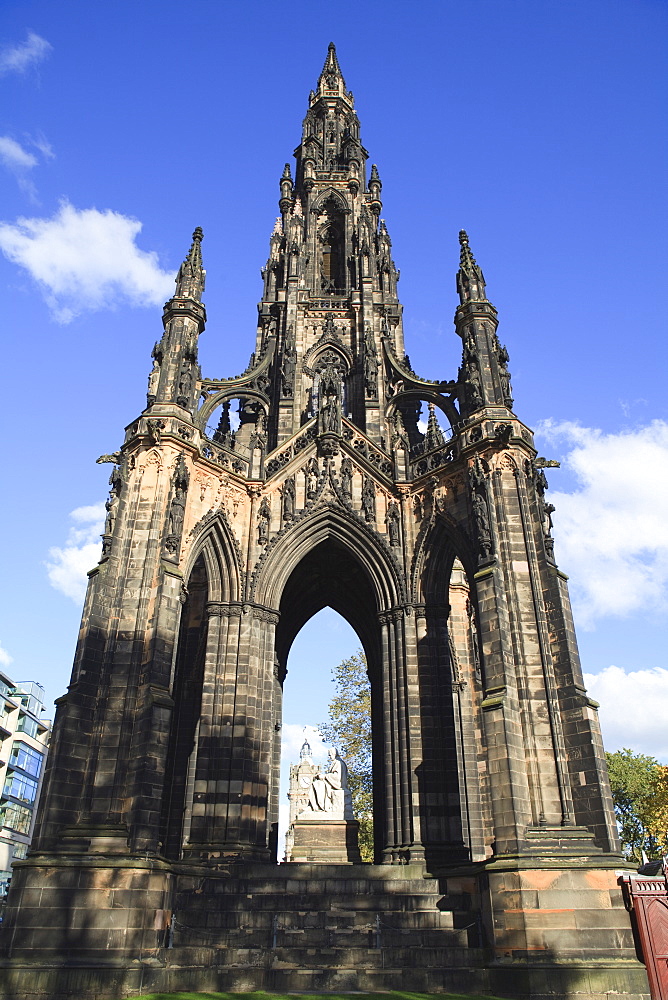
<point>239,507</point>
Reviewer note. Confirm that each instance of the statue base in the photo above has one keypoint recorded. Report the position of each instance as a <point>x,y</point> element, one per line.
<point>327,841</point>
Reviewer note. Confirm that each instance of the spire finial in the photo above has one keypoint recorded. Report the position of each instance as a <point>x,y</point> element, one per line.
<point>331,78</point>
<point>434,436</point>
<point>470,279</point>
<point>190,279</point>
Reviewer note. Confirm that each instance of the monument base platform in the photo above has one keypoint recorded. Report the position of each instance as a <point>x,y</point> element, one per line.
<point>326,841</point>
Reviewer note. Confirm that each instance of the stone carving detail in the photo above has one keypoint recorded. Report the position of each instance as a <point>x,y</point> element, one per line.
<point>480,505</point>
<point>469,375</point>
<point>288,363</point>
<point>185,386</point>
<point>329,417</point>
<point>177,509</point>
<point>153,379</point>
<point>154,429</point>
<point>504,375</point>
<point>329,794</point>
<point>263,522</point>
<point>370,363</point>
<point>546,510</point>
<point>392,522</point>
<point>289,509</point>
<point>369,500</point>
<point>347,479</point>
<point>111,506</point>
<point>312,474</point>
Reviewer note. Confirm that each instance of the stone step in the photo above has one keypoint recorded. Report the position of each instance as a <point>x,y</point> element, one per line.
<point>331,920</point>
<point>325,959</point>
<point>328,901</point>
<point>466,977</point>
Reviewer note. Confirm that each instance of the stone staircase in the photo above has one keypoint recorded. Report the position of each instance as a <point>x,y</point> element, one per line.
<point>306,927</point>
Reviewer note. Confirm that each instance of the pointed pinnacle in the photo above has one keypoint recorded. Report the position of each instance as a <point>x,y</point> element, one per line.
<point>331,70</point>
<point>190,279</point>
<point>374,173</point>
<point>466,259</point>
<point>286,173</point>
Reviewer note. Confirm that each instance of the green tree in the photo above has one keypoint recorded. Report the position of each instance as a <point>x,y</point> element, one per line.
<point>640,796</point>
<point>349,729</point>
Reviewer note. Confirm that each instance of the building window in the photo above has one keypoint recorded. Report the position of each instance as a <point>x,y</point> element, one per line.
<point>26,758</point>
<point>27,725</point>
<point>16,817</point>
<point>20,787</point>
<point>20,851</point>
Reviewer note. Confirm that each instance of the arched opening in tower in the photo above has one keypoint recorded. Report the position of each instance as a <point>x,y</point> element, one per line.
<point>330,577</point>
<point>325,663</point>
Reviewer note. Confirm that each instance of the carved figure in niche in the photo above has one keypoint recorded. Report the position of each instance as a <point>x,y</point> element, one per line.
<point>369,499</point>
<point>481,518</point>
<point>185,384</point>
<point>153,380</point>
<point>110,507</point>
<point>263,523</point>
<point>177,507</point>
<point>370,363</point>
<point>177,511</point>
<point>287,372</point>
<point>392,521</point>
<point>329,792</point>
<point>288,499</point>
<point>330,416</point>
<point>347,478</point>
<point>154,429</point>
<point>548,510</point>
<point>311,473</point>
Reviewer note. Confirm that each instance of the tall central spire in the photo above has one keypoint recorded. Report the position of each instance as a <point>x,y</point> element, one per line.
<point>330,294</point>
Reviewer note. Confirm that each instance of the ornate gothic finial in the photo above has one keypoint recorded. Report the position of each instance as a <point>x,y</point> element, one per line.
<point>331,77</point>
<point>470,279</point>
<point>190,279</point>
<point>286,172</point>
<point>434,436</point>
<point>305,752</point>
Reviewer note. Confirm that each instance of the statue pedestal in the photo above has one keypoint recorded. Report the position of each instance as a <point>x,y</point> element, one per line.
<point>327,841</point>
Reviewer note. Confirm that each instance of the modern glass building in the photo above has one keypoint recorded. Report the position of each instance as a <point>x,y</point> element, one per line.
<point>24,740</point>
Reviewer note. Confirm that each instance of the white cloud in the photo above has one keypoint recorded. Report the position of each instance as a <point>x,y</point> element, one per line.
<point>85,260</point>
<point>18,58</point>
<point>612,531</point>
<point>20,162</point>
<point>5,658</point>
<point>69,565</point>
<point>292,740</point>
<point>634,709</point>
<point>14,156</point>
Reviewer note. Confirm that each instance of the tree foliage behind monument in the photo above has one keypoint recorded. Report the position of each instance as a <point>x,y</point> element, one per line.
<point>349,729</point>
<point>640,795</point>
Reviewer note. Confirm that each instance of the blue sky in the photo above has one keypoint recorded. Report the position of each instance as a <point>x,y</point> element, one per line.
<point>540,128</point>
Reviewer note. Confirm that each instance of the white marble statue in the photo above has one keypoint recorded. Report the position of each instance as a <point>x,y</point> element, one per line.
<point>329,795</point>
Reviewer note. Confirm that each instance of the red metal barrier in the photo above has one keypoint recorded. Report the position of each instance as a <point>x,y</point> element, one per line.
<point>646,897</point>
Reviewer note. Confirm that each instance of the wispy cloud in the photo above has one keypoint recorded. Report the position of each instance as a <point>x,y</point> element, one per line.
<point>5,658</point>
<point>612,531</point>
<point>67,566</point>
<point>14,156</point>
<point>85,260</point>
<point>19,161</point>
<point>625,720</point>
<point>19,58</point>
